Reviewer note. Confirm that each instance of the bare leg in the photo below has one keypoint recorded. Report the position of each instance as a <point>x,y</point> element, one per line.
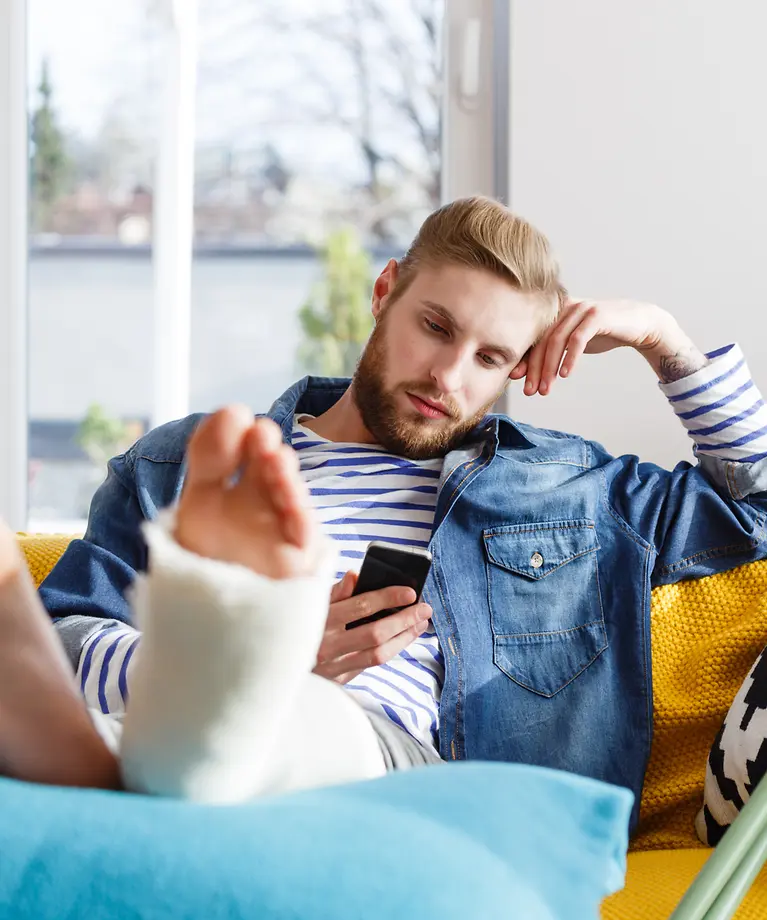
<point>46,734</point>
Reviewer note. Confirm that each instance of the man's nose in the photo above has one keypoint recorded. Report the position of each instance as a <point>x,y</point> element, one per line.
<point>447,374</point>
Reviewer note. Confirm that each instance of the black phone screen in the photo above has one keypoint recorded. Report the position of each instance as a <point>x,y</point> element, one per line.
<point>385,566</point>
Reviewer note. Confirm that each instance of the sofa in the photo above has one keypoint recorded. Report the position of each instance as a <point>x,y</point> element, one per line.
<point>705,637</point>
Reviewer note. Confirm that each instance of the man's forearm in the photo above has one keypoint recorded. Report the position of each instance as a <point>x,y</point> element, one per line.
<point>680,364</point>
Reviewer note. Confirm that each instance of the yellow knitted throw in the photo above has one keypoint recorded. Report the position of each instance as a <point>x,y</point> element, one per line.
<point>42,552</point>
<point>706,635</point>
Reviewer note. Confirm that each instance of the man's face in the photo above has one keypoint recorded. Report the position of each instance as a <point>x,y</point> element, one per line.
<point>440,355</point>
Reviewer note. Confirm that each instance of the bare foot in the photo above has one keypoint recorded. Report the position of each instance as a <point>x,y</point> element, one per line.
<point>46,734</point>
<point>244,500</point>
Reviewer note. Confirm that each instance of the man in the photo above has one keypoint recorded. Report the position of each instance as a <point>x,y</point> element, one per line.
<point>533,641</point>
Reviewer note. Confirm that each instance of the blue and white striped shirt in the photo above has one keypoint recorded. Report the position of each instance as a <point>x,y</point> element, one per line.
<point>363,493</point>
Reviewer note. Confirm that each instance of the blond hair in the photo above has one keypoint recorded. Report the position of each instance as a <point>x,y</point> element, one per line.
<point>482,233</point>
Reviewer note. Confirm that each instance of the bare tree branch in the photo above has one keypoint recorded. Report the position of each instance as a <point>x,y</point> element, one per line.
<point>365,69</point>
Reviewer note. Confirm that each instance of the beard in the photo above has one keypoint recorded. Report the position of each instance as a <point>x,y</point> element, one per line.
<point>407,434</point>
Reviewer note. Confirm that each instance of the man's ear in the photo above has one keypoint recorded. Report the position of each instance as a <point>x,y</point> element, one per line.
<point>383,286</point>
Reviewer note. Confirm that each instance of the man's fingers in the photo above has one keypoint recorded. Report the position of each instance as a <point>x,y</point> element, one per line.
<point>345,652</point>
<point>347,667</point>
<point>534,366</point>
<point>577,343</point>
<point>338,591</point>
<point>365,605</point>
<point>372,635</point>
<point>556,346</point>
<point>520,370</point>
<point>340,642</point>
<point>343,589</point>
<point>538,355</point>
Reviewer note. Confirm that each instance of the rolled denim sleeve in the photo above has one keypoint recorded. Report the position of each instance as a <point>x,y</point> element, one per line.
<point>92,576</point>
<point>703,519</point>
<point>85,593</point>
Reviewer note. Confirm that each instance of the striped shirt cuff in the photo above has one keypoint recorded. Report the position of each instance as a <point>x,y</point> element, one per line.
<point>721,408</point>
<point>105,668</point>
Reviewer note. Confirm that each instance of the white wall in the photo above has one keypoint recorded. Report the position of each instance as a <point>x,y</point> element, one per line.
<point>639,145</point>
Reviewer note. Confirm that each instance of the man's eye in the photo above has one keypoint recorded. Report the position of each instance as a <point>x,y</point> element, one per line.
<point>435,328</point>
<point>488,361</point>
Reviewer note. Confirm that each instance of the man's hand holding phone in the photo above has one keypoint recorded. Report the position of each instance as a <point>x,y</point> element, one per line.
<point>345,653</point>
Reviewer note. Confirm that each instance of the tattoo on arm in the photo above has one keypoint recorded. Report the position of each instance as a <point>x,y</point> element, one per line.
<point>682,364</point>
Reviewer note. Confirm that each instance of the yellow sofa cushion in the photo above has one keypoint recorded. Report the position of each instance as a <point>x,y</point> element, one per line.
<point>656,881</point>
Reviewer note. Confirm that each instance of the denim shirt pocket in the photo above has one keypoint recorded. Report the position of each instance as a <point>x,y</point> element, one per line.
<point>545,604</point>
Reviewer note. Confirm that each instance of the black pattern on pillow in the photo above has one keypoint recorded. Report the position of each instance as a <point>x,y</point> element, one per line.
<point>738,757</point>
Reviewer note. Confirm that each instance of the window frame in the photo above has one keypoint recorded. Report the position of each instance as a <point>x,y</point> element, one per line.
<point>13,263</point>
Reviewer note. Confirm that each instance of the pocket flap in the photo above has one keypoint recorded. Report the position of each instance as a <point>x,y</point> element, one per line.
<point>537,550</point>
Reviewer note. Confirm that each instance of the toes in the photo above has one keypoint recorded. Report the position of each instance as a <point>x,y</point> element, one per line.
<point>261,445</point>
<point>292,497</point>
<point>273,469</point>
<point>264,437</point>
<point>280,472</point>
<point>215,450</point>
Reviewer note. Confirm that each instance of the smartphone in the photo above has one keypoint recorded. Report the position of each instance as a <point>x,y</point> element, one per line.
<point>386,565</point>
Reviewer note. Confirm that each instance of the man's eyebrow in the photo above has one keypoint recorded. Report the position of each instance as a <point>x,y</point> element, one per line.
<point>444,313</point>
<point>506,354</point>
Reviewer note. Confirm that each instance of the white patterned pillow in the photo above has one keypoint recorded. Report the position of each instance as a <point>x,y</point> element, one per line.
<point>738,757</point>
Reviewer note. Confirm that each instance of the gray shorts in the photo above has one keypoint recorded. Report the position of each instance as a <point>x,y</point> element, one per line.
<point>400,750</point>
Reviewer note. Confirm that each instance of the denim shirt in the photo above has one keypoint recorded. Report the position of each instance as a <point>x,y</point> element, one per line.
<point>545,550</point>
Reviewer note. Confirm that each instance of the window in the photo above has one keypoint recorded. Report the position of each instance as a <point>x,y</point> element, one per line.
<point>323,164</point>
<point>90,279</point>
<point>318,151</point>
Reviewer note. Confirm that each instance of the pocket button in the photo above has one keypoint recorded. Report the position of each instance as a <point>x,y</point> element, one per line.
<point>536,560</point>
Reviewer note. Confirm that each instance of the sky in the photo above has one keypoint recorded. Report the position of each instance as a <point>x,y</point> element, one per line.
<point>90,45</point>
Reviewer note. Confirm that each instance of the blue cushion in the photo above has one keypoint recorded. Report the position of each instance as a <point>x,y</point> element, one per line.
<point>467,840</point>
